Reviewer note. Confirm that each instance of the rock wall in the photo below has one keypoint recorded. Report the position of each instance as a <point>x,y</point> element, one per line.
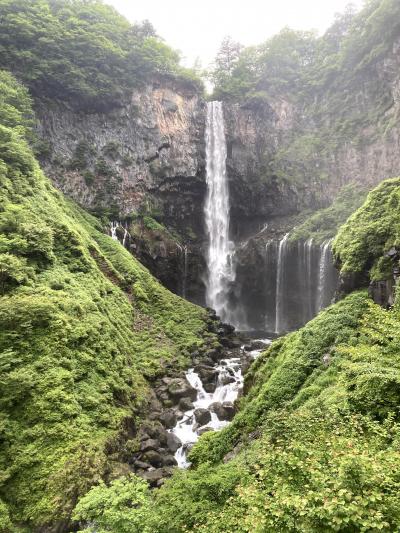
<point>147,158</point>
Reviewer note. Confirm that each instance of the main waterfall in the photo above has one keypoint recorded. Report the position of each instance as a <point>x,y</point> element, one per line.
<point>220,268</point>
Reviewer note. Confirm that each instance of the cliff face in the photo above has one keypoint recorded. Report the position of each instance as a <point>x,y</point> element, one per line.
<point>144,159</point>
<point>285,156</point>
<point>132,158</point>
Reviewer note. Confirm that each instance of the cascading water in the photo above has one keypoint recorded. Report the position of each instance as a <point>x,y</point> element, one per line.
<point>230,381</point>
<point>325,272</point>
<point>220,268</point>
<point>280,280</point>
<point>305,281</point>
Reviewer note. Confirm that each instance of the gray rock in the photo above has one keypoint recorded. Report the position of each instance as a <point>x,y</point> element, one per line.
<point>205,430</point>
<point>169,460</point>
<point>150,444</point>
<point>229,410</point>
<point>153,476</point>
<point>173,442</point>
<point>152,457</point>
<point>142,465</point>
<point>185,404</point>
<point>181,388</point>
<point>202,416</point>
<point>168,418</point>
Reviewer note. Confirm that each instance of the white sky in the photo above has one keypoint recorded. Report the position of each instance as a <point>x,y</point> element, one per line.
<point>197,27</point>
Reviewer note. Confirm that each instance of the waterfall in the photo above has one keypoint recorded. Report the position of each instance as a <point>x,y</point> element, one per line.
<point>280,279</point>
<point>114,227</point>
<point>304,278</point>
<point>113,230</point>
<point>220,267</point>
<point>323,281</point>
<point>185,270</point>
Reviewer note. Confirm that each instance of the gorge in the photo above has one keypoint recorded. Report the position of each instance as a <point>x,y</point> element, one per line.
<point>199,315</point>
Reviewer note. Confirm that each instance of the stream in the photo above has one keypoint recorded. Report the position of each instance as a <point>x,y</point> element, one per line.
<point>211,411</point>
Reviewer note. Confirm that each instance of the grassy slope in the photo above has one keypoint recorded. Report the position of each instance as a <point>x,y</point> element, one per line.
<point>370,232</point>
<point>82,324</point>
<point>316,441</point>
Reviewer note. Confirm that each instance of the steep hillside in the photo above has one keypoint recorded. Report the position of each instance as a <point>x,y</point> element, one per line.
<point>83,328</point>
<point>315,445</point>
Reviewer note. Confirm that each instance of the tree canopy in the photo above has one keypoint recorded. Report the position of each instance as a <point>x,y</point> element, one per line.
<point>81,51</point>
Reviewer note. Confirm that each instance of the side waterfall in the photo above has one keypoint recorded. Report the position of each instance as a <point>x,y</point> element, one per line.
<point>280,279</point>
<point>305,281</point>
<point>220,268</point>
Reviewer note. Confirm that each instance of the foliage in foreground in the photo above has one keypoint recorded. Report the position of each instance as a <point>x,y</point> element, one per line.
<point>82,325</point>
<point>316,442</point>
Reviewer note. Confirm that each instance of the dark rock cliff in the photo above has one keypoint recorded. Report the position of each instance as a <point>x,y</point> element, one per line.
<point>147,159</point>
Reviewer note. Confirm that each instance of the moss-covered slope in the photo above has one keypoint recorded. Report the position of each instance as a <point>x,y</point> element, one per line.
<point>82,325</point>
<point>315,445</point>
<point>370,232</point>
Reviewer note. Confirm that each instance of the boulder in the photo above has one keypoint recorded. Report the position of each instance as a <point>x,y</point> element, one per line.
<point>152,457</point>
<point>202,416</point>
<point>224,411</point>
<point>226,379</point>
<point>229,410</point>
<point>153,477</point>
<point>180,388</point>
<point>186,404</point>
<point>205,430</point>
<point>168,418</point>
<point>173,442</point>
<point>210,387</point>
<point>150,444</point>
<point>142,465</point>
<point>217,408</point>
<point>169,460</point>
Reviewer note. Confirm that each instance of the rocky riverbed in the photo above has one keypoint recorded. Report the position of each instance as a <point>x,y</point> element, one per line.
<point>200,400</point>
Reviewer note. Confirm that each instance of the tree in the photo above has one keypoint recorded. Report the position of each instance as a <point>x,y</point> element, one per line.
<point>123,507</point>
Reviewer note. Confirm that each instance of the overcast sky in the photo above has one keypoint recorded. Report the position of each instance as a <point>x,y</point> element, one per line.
<point>197,27</point>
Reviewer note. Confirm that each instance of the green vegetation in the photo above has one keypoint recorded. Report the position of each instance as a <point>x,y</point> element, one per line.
<point>324,224</point>
<point>82,325</point>
<point>315,446</point>
<point>82,51</point>
<point>336,97</point>
<point>370,232</point>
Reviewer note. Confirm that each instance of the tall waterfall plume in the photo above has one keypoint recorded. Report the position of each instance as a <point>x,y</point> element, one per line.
<point>221,272</point>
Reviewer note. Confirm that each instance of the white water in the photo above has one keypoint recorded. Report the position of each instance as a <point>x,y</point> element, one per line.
<point>114,226</point>
<point>324,263</point>
<point>220,268</point>
<point>186,428</point>
<point>280,275</point>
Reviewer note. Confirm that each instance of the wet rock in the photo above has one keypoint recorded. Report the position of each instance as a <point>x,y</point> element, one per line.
<point>210,387</point>
<point>226,379</point>
<point>229,410</point>
<point>224,411</point>
<point>173,442</point>
<point>205,430</point>
<point>180,388</point>
<point>186,404</point>
<point>150,444</point>
<point>217,408</point>
<point>255,345</point>
<point>152,457</point>
<point>202,416</point>
<point>153,477</point>
<point>168,418</point>
<point>142,465</point>
<point>169,460</point>
<point>214,355</point>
